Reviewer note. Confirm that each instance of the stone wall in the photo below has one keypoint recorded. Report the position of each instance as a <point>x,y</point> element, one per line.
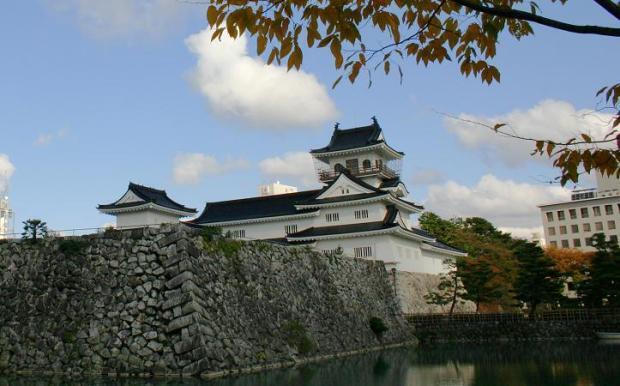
<point>412,287</point>
<point>161,300</point>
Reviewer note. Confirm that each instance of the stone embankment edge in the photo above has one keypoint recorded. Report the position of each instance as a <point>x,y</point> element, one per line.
<point>225,373</point>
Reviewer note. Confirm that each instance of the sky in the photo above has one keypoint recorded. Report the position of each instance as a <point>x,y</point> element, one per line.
<point>96,94</point>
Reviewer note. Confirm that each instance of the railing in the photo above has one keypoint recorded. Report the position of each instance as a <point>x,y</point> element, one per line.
<point>573,314</point>
<point>326,175</point>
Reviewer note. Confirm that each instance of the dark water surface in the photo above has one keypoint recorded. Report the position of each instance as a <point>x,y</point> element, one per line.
<point>509,364</point>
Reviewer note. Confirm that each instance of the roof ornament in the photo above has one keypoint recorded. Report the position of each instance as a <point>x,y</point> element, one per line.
<point>374,121</point>
<point>337,125</point>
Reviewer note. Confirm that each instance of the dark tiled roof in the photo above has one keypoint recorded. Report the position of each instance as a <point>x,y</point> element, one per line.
<point>391,183</point>
<point>342,229</point>
<point>409,203</point>
<point>350,197</point>
<point>422,233</point>
<point>352,138</point>
<point>254,207</point>
<point>149,195</point>
<point>441,245</point>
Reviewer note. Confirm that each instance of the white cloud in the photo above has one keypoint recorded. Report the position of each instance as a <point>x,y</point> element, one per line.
<point>190,168</point>
<point>549,119</point>
<point>506,203</point>
<point>6,171</point>
<point>47,138</point>
<point>427,177</point>
<point>245,90</point>
<point>123,18</point>
<point>294,166</point>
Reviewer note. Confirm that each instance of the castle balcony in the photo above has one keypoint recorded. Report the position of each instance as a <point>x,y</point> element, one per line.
<point>382,170</point>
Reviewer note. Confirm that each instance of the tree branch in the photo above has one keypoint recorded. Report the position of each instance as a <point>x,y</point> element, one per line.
<point>510,13</point>
<point>610,7</point>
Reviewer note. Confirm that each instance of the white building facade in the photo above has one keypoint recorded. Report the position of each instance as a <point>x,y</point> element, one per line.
<point>571,224</point>
<point>6,218</point>
<point>275,188</point>
<point>360,211</point>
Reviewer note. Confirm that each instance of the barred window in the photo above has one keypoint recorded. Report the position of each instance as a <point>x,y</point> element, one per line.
<point>362,251</point>
<point>359,214</point>
<point>288,229</point>
<point>331,217</point>
<point>238,233</point>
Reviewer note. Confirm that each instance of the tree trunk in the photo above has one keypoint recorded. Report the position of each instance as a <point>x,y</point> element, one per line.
<point>533,309</point>
<point>456,287</point>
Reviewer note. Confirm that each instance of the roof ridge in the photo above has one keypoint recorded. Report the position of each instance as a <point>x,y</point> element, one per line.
<point>146,187</point>
<point>261,198</point>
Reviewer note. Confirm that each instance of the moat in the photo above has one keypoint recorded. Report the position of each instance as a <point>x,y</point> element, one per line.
<point>507,364</point>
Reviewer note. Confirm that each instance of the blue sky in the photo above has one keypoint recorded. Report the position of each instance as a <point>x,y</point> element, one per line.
<point>93,96</point>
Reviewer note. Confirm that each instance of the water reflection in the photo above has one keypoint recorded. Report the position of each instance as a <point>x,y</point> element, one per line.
<point>510,364</point>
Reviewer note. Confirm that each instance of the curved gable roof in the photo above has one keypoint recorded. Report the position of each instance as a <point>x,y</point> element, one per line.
<point>148,195</point>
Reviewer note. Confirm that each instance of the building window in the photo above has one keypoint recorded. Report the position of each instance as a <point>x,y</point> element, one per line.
<point>584,213</point>
<point>574,228</point>
<point>290,229</point>
<point>586,227</point>
<point>366,164</point>
<point>564,243</point>
<point>553,243</point>
<point>598,226</point>
<point>237,233</point>
<point>338,168</point>
<point>596,210</point>
<point>609,210</point>
<point>576,243</point>
<point>362,251</point>
<point>561,215</point>
<point>359,214</point>
<point>562,229</point>
<point>551,231</point>
<point>379,164</point>
<point>352,164</point>
<point>572,213</point>
<point>549,216</point>
<point>589,241</point>
<point>613,239</point>
<point>611,224</point>
<point>331,217</point>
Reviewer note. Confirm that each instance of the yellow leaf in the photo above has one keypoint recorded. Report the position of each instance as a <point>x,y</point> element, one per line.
<point>212,15</point>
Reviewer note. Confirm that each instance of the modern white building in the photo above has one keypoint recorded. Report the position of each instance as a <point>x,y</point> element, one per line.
<point>6,218</point>
<point>275,188</point>
<point>571,224</point>
<point>144,206</point>
<point>361,210</point>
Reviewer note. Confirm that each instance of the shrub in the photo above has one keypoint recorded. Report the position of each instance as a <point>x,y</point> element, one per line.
<point>210,233</point>
<point>297,337</point>
<point>72,247</point>
<point>377,326</point>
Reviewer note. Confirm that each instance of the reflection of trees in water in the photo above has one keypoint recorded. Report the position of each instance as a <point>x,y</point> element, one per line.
<point>510,364</point>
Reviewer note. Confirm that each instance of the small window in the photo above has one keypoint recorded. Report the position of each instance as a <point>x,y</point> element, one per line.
<point>584,213</point>
<point>561,215</point>
<point>331,217</point>
<point>598,226</point>
<point>562,229</point>
<point>549,216</point>
<point>551,231</point>
<point>611,224</point>
<point>360,214</point>
<point>553,243</point>
<point>574,228</point>
<point>564,243</point>
<point>572,213</point>
<point>609,210</point>
<point>613,239</point>
<point>238,234</point>
<point>362,251</point>
<point>586,227</point>
<point>576,243</point>
<point>290,229</point>
<point>338,168</point>
<point>589,241</point>
<point>366,164</point>
<point>596,210</point>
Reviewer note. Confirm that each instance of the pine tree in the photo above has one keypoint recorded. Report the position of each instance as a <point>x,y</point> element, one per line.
<point>34,229</point>
<point>602,286</point>
<point>479,281</point>
<point>450,289</point>
<point>538,280</point>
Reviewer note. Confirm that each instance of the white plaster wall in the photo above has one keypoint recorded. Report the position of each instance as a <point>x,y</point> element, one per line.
<point>147,217</point>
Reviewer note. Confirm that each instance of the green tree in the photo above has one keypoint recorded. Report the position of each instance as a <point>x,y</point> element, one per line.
<point>538,279</point>
<point>480,282</point>
<point>450,289</point>
<point>602,284</point>
<point>466,32</point>
<point>34,229</point>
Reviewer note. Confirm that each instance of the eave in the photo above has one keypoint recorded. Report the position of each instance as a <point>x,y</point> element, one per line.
<point>259,219</point>
<point>143,207</point>
<point>380,146</point>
